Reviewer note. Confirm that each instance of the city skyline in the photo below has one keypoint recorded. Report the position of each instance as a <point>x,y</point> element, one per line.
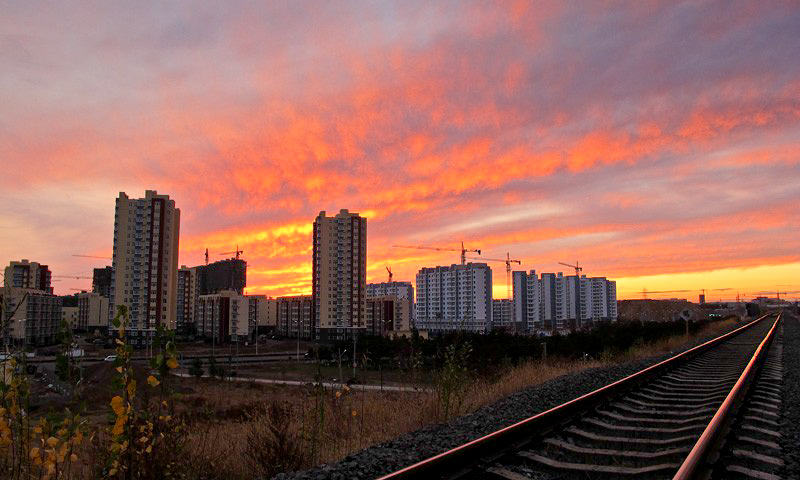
<point>664,155</point>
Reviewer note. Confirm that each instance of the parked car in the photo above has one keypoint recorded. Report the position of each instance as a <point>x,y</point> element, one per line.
<point>110,358</point>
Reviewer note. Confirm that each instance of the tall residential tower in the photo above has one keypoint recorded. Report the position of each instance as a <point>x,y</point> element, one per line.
<point>339,274</point>
<point>145,263</point>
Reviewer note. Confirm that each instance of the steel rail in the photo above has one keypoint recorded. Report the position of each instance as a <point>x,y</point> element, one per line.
<point>716,429</point>
<point>459,458</point>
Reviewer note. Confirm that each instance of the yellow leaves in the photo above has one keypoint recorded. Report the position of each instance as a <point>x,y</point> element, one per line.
<point>34,453</point>
<point>338,394</point>
<point>131,388</point>
<point>153,381</point>
<point>354,413</point>
<point>172,363</point>
<point>52,442</point>
<point>119,342</point>
<point>119,425</point>
<point>118,369</point>
<point>118,405</point>
<point>73,458</point>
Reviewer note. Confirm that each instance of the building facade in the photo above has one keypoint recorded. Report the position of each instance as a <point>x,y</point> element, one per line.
<point>339,274</point>
<point>33,316</point>
<point>262,313</point>
<point>228,274</point>
<point>555,302</point>
<point>503,315</point>
<point>404,301</point>
<point>145,263</point>
<point>101,281</point>
<point>293,313</point>
<point>69,317</point>
<point>458,297</point>
<point>27,274</point>
<point>224,317</point>
<point>92,312</point>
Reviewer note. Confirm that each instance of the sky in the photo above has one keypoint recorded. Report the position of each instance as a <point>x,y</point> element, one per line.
<point>656,143</point>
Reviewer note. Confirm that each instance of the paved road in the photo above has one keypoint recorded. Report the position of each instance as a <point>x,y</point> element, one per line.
<point>269,381</point>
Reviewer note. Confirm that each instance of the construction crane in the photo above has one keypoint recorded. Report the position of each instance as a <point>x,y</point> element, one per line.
<point>463,250</point>
<point>508,261</point>
<point>77,277</point>
<point>237,248</point>
<point>577,289</point>
<point>576,267</point>
<point>92,256</point>
<point>237,252</point>
<point>389,269</point>
<point>645,291</point>
<point>704,290</point>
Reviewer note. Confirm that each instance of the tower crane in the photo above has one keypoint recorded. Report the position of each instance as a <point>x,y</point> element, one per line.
<point>92,256</point>
<point>463,250</point>
<point>645,291</point>
<point>508,261</point>
<point>236,252</point>
<point>77,277</point>
<point>578,270</point>
<point>389,269</point>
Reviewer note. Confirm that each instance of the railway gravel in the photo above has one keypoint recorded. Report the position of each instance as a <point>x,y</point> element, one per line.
<point>790,419</point>
<point>407,449</point>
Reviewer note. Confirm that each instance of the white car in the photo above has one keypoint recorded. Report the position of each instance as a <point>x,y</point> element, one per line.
<point>110,358</point>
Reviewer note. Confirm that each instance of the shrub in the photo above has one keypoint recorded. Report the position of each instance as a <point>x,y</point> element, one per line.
<point>272,445</point>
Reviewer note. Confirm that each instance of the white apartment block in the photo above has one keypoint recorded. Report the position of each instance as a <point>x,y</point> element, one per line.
<point>528,302</point>
<point>404,301</point>
<point>145,263</point>
<point>224,317</point>
<point>339,273</point>
<point>32,316</point>
<point>458,297</point>
<point>555,302</point>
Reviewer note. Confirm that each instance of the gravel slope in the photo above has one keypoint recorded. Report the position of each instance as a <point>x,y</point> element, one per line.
<point>790,419</point>
<point>390,456</point>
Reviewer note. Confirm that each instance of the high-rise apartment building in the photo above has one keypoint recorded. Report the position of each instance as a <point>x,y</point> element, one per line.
<point>403,318</point>
<point>186,296</point>
<point>101,281</point>
<point>528,301</point>
<point>339,278</point>
<point>558,302</point>
<point>458,297</point>
<point>145,263</point>
<point>26,274</point>
<point>228,274</point>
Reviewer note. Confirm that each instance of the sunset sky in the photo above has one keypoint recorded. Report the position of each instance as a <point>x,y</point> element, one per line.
<point>657,143</point>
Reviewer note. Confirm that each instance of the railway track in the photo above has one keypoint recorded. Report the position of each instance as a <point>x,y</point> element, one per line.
<point>671,420</point>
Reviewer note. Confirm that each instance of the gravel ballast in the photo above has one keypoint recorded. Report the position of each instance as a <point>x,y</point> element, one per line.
<point>410,448</point>
<point>790,418</point>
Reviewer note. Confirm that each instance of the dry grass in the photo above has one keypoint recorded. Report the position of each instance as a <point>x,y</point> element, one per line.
<point>329,424</point>
<point>234,432</point>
